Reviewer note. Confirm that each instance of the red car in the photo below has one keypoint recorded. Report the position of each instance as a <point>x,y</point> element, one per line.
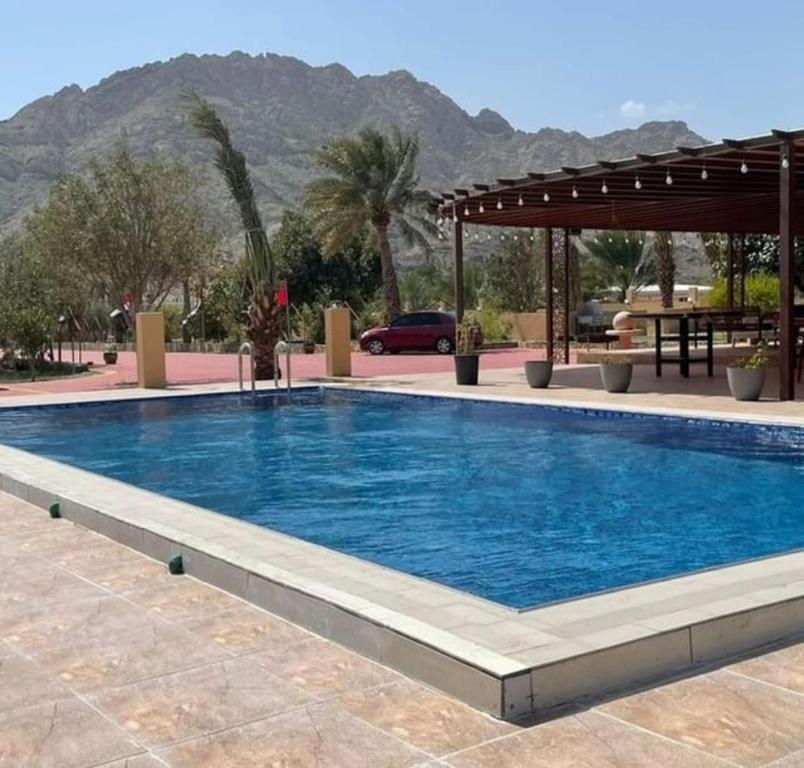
<point>416,331</point>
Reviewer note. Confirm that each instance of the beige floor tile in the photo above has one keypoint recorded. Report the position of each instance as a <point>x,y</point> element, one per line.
<point>62,734</point>
<point>320,736</point>
<point>589,740</point>
<point>96,554</point>
<point>52,589</point>
<point>138,761</point>
<point>784,668</point>
<point>105,617</point>
<point>419,716</point>
<point>245,629</point>
<point>143,653</point>
<point>206,699</point>
<point>723,714</point>
<point>129,575</point>
<point>323,668</point>
<point>23,684</point>
<point>184,598</point>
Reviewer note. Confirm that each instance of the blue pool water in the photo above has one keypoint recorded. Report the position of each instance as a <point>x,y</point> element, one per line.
<point>518,504</point>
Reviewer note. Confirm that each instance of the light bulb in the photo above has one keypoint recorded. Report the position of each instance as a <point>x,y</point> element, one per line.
<point>466,211</point>
<point>455,217</point>
<point>481,209</point>
<point>610,240</point>
<point>627,240</point>
<point>668,179</point>
<point>499,203</point>
<point>520,202</point>
<point>605,188</point>
<point>532,238</point>
<point>488,237</point>
<point>475,236</point>
<point>502,236</point>
<point>743,167</point>
<point>440,221</point>
<point>516,238</point>
<point>574,193</point>
<point>704,174</point>
<point>637,183</point>
<point>440,235</point>
<point>546,197</point>
<point>785,162</point>
<point>641,241</point>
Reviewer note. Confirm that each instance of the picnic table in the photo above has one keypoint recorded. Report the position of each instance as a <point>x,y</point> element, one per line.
<point>689,330</point>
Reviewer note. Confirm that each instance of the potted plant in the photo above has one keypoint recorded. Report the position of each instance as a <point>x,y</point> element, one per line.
<point>539,372</point>
<point>615,373</point>
<point>746,376</point>
<point>467,358</point>
<point>110,354</point>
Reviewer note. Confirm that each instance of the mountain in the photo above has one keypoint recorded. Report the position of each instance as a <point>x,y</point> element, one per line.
<point>278,109</point>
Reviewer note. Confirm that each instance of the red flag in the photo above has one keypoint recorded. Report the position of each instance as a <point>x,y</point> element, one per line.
<point>282,294</point>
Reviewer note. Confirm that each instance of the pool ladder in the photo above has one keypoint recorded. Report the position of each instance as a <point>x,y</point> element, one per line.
<point>248,347</point>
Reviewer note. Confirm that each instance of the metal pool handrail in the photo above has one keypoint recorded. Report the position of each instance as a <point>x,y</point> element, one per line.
<point>247,346</point>
<point>279,347</point>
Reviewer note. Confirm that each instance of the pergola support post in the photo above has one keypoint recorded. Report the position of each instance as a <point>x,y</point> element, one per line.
<point>743,271</point>
<point>787,327</point>
<point>567,270</point>
<point>730,271</point>
<point>459,298</point>
<point>548,291</point>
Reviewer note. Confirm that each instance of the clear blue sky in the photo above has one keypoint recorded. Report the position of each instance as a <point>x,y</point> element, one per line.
<point>729,68</point>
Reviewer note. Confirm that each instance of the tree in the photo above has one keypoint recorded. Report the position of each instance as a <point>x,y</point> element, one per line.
<point>349,275</point>
<point>29,297</point>
<point>761,255</point>
<point>619,261</point>
<point>665,267</point>
<point>264,314</point>
<point>372,187</point>
<point>130,227</point>
<point>514,274</point>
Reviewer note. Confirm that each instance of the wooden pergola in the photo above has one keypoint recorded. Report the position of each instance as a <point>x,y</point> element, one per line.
<point>735,187</point>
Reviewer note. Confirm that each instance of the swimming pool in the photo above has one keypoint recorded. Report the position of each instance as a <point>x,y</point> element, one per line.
<point>518,504</point>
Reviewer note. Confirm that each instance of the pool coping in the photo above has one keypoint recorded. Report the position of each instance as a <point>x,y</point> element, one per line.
<point>506,662</point>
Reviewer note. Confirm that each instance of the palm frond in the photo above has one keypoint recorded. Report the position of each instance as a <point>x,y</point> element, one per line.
<point>232,165</point>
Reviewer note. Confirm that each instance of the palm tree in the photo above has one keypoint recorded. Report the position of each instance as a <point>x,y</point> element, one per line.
<point>264,314</point>
<point>665,267</point>
<point>372,185</point>
<point>621,261</point>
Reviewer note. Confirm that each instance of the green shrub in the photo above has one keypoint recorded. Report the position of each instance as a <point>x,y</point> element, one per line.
<point>761,290</point>
<point>173,318</point>
<point>494,326</point>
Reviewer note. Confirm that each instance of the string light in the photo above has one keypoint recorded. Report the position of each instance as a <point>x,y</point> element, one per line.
<point>488,236</point>
<point>605,188</point>
<point>466,211</point>
<point>516,238</point>
<point>668,179</point>
<point>475,236</point>
<point>481,209</point>
<point>546,196</point>
<point>440,221</point>
<point>532,238</point>
<point>455,216</point>
<point>499,203</point>
<point>704,173</point>
<point>637,183</point>
<point>520,202</point>
<point>574,192</point>
<point>743,167</point>
<point>785,162</point>
<point>502,236</point>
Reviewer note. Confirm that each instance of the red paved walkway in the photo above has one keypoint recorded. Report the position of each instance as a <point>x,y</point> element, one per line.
<point>197,368</point>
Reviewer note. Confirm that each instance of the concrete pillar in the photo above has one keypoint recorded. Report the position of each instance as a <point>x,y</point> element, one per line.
<point>338,333</point>
<point>151,350</point>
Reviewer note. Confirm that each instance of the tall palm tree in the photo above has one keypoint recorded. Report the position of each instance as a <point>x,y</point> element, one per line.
<point>665,267</point>
<point>371,186</point>
<point>621,261</point>
<point>264,315</point>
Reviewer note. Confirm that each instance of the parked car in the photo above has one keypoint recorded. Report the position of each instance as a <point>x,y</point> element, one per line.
<point>413,332</point>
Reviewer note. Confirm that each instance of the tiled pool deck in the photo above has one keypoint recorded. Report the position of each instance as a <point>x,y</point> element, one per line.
<point>501,661</point>
<point>106,660</point>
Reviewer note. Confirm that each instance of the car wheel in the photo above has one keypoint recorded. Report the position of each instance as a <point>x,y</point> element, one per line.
<point>443,345</point>
<point>375,347</point>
